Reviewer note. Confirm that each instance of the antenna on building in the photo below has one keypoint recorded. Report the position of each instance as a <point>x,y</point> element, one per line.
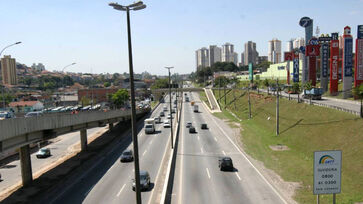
<point>317,31</point>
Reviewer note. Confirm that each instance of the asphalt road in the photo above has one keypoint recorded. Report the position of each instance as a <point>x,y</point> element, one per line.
<point>11,174</point>
<point>197,176</point>
<point>111,181</point>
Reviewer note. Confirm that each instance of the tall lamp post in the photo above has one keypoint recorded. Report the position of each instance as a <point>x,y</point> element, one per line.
<point>135,6</point>
<point>171,114</point>
<point>1,52</point>
<point>63,79</point>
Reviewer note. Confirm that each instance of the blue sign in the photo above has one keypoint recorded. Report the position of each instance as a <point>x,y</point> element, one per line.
<point>305,22</point>
<point>250,70</point>
<point>324,59</point>
<point>360,32</point>
<point>302,49</point>
<point>280,68</point>
<point>296,70</point>
<point>348,57</point>
<point>335,36</point>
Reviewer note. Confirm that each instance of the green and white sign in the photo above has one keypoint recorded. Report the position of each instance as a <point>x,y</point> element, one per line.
<point>327,172</point>
<point>250,71</point>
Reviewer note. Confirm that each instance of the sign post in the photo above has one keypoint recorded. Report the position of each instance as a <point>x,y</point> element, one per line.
<point>288,57</point>
<point>324,61</point>
<point>327,173</point>
<point>306,23</point>
<point>334,61</point>
<point>312,51</point>
<point>250,71</point>
<point>347,63</point>
<point>296,66</point>
<point>358,74</point>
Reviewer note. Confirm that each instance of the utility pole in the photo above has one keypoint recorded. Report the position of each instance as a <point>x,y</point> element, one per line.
<point>225,97</point>
<point>234,99</point>
<point>277,107</point>
<point>249,103</point>
<point>171,115</point>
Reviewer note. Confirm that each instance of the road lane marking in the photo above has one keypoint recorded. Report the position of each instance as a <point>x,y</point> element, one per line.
<point>238,176</point>
<point>198,137</point>
<point>208,173</point>
<point>144,153</point>
<point>201,149</point>
<point>215,139</point>
<point>122,188</point>
<point>151,142</point>
<point>243,154</point>
<point>223,153</point>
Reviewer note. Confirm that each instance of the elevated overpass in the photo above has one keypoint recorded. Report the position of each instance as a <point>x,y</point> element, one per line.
<point>20,132</point>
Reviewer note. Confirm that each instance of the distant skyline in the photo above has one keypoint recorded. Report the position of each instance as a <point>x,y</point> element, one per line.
<point>166,33</point>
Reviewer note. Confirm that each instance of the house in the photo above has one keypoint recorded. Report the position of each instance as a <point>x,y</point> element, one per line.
<point>26,106</point>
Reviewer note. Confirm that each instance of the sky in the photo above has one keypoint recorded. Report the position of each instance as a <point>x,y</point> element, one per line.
<point>166,33</point>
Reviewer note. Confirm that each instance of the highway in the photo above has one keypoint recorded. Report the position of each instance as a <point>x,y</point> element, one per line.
<point>197,176</point>
<point>111,181</point>
<point>59,147</point>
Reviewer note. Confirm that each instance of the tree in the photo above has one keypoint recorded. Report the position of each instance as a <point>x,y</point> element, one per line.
<point>120,97</point>
<point>358,93</point>
<point>296,87</point>
<point>85,101</point>
<point>107,84</point>
<point>266,83</point>
<point>161,84</point>
<point>221,81</point>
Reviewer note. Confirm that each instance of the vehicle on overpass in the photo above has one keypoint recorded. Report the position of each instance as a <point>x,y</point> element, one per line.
<point>144,181</point>
<point>195,108</point>
<point>225,164</point>
<point>150,125</point>
<point>6,115</point>
<point>43,153</point>
<point>127,156</point>
<point>33,114</point>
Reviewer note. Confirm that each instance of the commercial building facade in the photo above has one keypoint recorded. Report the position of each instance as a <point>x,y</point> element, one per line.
<point>8,70</point>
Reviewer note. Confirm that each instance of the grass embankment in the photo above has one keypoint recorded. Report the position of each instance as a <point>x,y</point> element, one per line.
<point>204,98</point>
<point>303,129</point>
<point>154,103</point>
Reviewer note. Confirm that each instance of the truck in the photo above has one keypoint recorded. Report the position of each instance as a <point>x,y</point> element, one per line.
<point>149,125</point>
<point>192,103</point>
<point>196,108</point>
<point>315,93</point>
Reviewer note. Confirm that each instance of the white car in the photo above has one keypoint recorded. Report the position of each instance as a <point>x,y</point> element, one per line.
<point>166,124</point>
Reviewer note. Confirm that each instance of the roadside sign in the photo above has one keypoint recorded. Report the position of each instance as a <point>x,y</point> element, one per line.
<point>288,56</point>
<point>327,172</point>
<point>296,66</point>
<point>360,32</point>
<point>250,71</point>
<point>324,39</point>
<point>324,61</point>
<point>358,74</point>
<point>305,22</point>
<point>312,50</point>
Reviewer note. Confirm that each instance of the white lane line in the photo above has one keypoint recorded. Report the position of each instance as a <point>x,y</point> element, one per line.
<point>144,153</point>
<point>201,150</point>
<point>223,153</point>
<point>151,142</point>
<point>238,176</point>
<point>122,188</point>
<point>208,173</point>
<point>243,154</point>
<point>215,139</point>
<point>198,138</point>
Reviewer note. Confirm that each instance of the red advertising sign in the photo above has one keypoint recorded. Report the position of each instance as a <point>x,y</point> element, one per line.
<point>358,74</point>
<point>288,56</point>
<point>312,50</point>
<point>334,60</point>
<point>312,70</point>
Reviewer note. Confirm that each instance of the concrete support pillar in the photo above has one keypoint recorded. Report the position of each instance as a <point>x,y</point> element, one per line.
<point>25,165</point>
<point>83,139</point>
<point>110,126</point>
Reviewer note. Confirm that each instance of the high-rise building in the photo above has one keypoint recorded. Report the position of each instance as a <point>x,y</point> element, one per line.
<point>274,51</point>
<point>227,53</point>
<point>202,58</point>
<point>289,46</point>
<point>8,70</point>
<point>298,42</point>
<point>250,54</point>
<point>242,59</point>
<point>261,59</point>
<point>235,58</point>
<point>215,54</point>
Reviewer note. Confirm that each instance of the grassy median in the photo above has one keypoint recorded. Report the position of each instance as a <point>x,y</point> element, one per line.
<point>303,129</point>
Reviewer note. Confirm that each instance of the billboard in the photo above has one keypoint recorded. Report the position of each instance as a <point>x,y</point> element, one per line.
<point>250,71</point>
<point>324,59</point>
<point>348,57</point>
<point>288,56</point>
<point>296,66</point>
<point>334,63</point>
<point>358,74</point>
<point>327,172</point>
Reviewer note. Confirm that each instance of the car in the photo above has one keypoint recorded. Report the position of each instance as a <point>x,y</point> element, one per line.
<point>192,129</point>
<point>169,116</point>
<point>33,114</point>
<point>204,126</point>
<point>173,110</point>
<point>43,153</point>
<point>157,120</point>
<point>189,124</point>
<point>6,115</point>
<point>127,156</point>
<point>166,123</point>
<point>144,181</point>
<point>225,164</point>
<point>162,114</point>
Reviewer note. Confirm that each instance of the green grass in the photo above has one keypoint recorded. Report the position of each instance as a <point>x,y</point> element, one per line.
<point>154,103</point>
<point>204,98</point>
<point>304,129</point>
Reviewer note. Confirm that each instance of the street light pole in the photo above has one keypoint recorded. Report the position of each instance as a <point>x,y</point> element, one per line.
<point>63,79</point>
<point>171,115</point>
<point>2,90</point>
<point>135,6</point>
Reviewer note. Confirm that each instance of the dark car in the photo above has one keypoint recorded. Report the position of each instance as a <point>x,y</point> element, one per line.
<point>144,181</point>
<point>225,164</point>
<point>204,126</point>
<point>43,153</point>
<point>192,129</point>
<point>162,114</point>
<point>127,156</point>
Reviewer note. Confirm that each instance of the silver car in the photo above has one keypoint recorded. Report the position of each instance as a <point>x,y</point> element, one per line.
<point>144,181</point>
